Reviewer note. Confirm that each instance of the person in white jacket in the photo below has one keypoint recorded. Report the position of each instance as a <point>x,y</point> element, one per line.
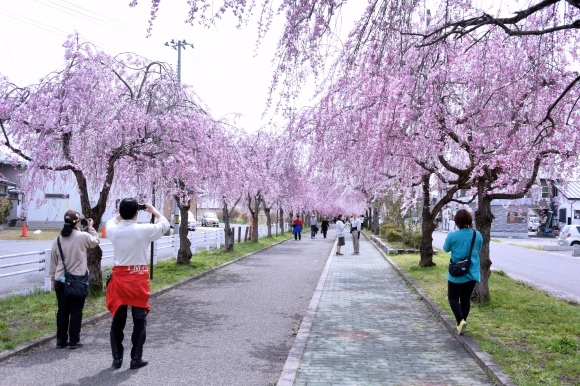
<point>340,233</point>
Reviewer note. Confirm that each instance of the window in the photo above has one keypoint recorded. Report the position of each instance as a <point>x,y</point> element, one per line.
<point>64,196</point>
<point>545,191</point>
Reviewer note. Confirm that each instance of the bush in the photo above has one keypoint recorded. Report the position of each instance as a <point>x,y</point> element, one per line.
<point>245,218</point>
<point>386,226</point>
<point>412,239</point>
<point>394,235</point>
<point>5,208</point>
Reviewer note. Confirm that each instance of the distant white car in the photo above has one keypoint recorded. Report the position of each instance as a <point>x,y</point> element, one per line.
<point>191,221</point>
<point>569,235</point>
<point>533,223</point>
<point>210,220</point>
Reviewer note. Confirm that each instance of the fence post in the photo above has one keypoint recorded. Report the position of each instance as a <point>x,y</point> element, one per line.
<point>218,239</point>
<point>239,234</point>
<point>193,237</point>
<point>206,240</point>
<point>175,246</point>
<point>47,279</point>
<point>155,252</point>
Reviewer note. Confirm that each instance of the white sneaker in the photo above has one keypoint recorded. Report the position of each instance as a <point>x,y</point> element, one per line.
<point>462,326</point>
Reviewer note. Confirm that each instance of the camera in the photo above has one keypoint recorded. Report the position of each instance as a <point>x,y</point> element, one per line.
<point>84,222</point>
<point>141,207</point>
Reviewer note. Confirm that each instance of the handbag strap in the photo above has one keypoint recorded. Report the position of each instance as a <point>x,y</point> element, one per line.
<point>471,248</point>
<point>61,255</point>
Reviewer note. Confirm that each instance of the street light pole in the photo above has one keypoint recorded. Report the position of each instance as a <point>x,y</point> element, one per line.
<point>177,46</point>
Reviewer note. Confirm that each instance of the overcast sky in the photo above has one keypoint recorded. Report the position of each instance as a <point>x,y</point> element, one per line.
<point>222,67</point>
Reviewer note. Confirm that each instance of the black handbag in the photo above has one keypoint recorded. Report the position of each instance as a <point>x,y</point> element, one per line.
<point>462,266</point>
<point>75,286</point>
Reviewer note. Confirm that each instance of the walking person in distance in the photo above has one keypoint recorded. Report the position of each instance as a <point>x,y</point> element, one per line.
<point>324,226</point>
<point>72,257</point>
<point>297,228</point>
<point>340,233</point>
<point>355,227</point>
<point>459,288</point>
<point>129,284</point>
<point>313,227</point>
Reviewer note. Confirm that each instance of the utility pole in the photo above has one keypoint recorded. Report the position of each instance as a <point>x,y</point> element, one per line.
<point>178,46</point>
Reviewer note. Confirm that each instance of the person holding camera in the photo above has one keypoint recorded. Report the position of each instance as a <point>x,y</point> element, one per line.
<point>340,233</point>
<point>129,284</point>
<point>74,245</point>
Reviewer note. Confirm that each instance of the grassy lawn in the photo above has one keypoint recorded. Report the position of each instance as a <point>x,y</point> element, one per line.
<point>16,233</point>
<point>24,318</point>
<point>534,337</point>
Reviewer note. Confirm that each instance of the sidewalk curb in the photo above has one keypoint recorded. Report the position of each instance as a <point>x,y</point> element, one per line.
<point>288,374</point>
<point>31,345</point>
<point>483,359</point>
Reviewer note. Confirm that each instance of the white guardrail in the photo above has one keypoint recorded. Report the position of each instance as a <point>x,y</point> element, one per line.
<point>165,247</point>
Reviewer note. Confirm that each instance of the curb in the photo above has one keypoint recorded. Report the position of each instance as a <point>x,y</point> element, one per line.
<point>483,359</point>
<point>29,346</point>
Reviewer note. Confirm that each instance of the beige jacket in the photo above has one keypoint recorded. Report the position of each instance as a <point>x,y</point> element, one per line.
<point>74,248</point>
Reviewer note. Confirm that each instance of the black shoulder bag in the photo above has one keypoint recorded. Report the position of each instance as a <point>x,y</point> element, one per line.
<point>74,286</point>
<point>462,266</point>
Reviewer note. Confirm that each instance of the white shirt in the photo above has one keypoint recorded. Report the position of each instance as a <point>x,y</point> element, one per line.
<point>355,223</point>
<point>340,232</point>
<point>131,240</point>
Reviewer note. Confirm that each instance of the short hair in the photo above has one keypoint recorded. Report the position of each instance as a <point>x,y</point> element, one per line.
<point>463,219</point>
<point>128,208</point>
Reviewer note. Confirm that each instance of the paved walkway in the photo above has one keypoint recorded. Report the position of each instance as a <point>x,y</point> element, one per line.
<point>370,328</point>
<point>361,325</point>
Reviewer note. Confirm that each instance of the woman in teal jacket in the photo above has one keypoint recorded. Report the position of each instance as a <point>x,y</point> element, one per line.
<point>459,288</point>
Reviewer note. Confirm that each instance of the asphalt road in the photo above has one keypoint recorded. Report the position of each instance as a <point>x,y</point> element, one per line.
<point>234,326</point>
<point>556,272</point>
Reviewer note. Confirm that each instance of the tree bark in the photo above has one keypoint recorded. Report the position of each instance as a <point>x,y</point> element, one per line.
<point>268,219</point>
<point>376,225</point>
<point>483,220</point>
<point>254,207</point>
<point>281,220</point>
<point>184,252</point>
<point>228,232</point>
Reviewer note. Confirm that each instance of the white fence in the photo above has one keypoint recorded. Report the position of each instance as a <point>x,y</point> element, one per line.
<point>164,248</point>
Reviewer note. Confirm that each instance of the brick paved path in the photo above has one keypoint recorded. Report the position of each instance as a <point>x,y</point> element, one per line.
<point>370,328</point>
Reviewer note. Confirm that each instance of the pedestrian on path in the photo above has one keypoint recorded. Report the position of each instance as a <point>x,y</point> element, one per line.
<point>297,228</point>
<point>459,288</point>
<point>340,233</point>
<point>324,226</point>
<point>355,227</point>
<point>71,255</point>
<point>313,227</point>
<point>129,285</point>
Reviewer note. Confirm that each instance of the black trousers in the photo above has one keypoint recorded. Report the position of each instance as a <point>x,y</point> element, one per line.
<point>459,296</point>
<point>324,230</point>
<point>137,337</point>
<point>69,316</point>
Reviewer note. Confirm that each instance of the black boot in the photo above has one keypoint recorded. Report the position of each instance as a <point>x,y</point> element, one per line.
<point>117,351</point>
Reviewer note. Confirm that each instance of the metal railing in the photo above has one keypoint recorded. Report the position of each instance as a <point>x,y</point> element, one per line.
<point>165,247</point>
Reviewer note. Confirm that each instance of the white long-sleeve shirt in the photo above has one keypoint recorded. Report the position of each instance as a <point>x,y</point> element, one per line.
<point>340,231</point>
<point>355,223</point>
<point>131,239</point>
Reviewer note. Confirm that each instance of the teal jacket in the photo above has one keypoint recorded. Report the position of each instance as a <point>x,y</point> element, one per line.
<point>458,243</point>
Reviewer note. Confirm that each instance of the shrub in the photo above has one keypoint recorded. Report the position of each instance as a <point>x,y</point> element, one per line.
<point>393,235</point>
<point>386,226</point>
<point>412,239</point>
<point>5,208</point>
<point>245,218</point>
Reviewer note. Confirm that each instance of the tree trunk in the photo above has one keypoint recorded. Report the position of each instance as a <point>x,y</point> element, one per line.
<point>228,231</point>
<point>281,220</point>
<point>268,220</point>
<point>184,253</point>
<point>483,220</point>
<point>376,221</point>
<point>427,226</point>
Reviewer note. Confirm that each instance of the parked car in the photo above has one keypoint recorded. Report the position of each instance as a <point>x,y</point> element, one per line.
<point>191,221</point>
<point>210,219</point>
<point>569,235</point>
<point>533,223</point>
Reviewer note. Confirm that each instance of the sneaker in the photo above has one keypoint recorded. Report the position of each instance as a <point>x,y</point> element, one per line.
<point>462,326</point>
<point>62,345</point>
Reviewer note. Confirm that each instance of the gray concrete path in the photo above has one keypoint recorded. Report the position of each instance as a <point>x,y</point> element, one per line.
<point>370,328</point>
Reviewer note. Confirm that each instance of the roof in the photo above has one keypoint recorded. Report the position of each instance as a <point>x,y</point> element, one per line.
<point>571,190</point>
